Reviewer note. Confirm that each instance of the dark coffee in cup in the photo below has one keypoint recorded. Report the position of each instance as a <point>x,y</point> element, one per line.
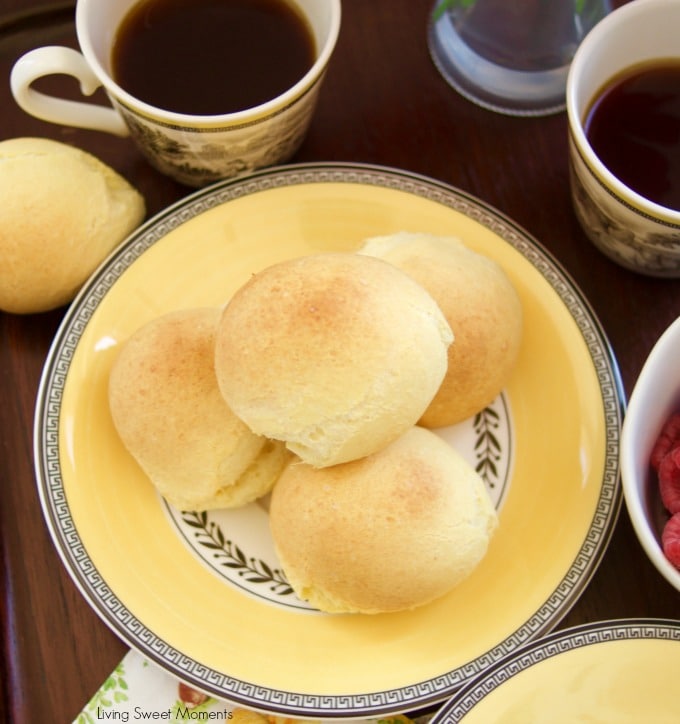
<point>633,126</point>
<point>211,57</point>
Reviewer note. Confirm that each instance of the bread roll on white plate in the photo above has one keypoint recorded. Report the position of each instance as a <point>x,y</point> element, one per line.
<point>479,302</point>
<point>389,532</point>
<point>62,212</point>
<point>172,419</point>
<point>336,354</point>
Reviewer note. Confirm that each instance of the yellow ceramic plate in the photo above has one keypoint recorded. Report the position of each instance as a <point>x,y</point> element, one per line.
<point>622,671</point>
<point>203,595</point>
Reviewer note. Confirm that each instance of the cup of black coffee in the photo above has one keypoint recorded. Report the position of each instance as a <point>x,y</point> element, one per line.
<point>208,89</point>
<point>623,104</point>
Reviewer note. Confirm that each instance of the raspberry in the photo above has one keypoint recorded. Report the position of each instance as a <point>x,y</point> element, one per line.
<point>670,540</point>
<point>669,437</point>
<point>669,480</point>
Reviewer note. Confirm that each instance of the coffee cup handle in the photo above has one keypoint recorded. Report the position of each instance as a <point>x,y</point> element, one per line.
<point>56,59</point>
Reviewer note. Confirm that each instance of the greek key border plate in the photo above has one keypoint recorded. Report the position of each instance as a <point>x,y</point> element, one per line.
<point>218,683</point>
<point>549,647</point>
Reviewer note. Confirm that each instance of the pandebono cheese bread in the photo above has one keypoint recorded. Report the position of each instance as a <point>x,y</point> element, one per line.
<point>62,212</point>
<point>481,305</point>
<point>312,384</point>
<point>171,417</point>
<point>392,531</point>
<point>335,354</point>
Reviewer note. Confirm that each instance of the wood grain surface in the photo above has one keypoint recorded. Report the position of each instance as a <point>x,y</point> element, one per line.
<point>383,102</point>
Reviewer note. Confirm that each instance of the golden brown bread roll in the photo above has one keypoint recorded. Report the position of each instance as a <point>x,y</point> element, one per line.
<point>389,532</point>
<point>482,307</point>
<point>62,212</point>
<point>171,417</point>
<point>336,354</point>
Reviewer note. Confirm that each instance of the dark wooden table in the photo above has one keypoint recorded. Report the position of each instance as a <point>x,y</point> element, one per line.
<point>383,102</point>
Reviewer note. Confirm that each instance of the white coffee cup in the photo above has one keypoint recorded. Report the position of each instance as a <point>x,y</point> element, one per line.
<point>633,231</point>
<point>192,149</point>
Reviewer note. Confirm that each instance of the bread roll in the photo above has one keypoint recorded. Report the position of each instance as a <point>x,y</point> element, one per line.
<point>62,212</point>
<point>391,531</point>
<point>482,307</point>
<point>171,417</point>
<point>336,354</point>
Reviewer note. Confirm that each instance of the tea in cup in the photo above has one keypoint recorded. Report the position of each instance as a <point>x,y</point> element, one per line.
<point>208,89</point>
<point>623,105</point>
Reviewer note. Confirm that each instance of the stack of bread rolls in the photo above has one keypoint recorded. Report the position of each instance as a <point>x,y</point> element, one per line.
<point>317,382</point>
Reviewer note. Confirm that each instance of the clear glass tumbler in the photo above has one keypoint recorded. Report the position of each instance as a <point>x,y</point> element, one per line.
<point>512,57</point>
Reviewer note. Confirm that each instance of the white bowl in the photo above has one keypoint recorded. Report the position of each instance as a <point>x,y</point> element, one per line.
<point>655,397</point>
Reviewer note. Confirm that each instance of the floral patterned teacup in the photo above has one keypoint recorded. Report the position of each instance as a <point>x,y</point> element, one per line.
<point>633,231</point>
<point>193,149</point>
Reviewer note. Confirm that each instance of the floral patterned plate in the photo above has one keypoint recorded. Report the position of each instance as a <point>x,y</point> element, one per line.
<point>203,595</point>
